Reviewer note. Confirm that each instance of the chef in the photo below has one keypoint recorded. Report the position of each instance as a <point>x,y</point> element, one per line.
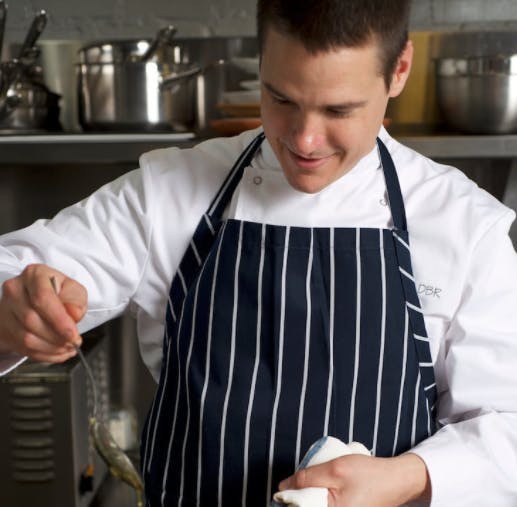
<point>312,278</point>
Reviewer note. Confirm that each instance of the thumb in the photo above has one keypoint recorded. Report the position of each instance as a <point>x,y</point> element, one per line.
<point>74,298</point>
<point>75,311</point>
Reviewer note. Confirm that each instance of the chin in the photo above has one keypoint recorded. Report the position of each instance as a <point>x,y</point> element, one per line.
<point>307,184</point>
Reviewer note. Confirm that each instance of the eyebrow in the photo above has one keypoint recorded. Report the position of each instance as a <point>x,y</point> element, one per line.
<point>345,106</point>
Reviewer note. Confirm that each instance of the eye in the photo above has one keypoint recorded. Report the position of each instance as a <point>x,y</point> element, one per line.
<point>280,100</point>
<point>339,113</point>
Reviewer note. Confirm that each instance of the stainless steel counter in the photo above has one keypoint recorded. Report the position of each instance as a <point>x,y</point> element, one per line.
<point>126,148</point>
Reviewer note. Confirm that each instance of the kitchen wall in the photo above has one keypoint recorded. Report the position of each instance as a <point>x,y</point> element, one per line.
<point>94,19</point>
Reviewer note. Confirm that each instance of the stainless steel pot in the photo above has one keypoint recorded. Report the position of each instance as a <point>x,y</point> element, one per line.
<point>478,95</point>
<point>28,105</point>
<point>119,92</point>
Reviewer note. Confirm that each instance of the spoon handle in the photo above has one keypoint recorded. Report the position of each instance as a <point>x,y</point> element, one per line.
<point>89,372</point>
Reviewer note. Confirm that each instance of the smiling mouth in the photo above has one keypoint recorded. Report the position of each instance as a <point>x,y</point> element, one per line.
<point>308,162</point>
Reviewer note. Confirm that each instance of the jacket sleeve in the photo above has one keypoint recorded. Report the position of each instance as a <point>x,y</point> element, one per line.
<point>102,242</point>
<point>472,459</point>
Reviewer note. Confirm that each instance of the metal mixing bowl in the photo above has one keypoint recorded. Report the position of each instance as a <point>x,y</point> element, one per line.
<point>478,95</point>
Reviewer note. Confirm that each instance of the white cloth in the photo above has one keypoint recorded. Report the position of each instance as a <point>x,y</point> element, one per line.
<point>323,450</point>
<point>125,242</point>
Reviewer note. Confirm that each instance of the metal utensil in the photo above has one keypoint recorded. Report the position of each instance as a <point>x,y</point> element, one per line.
<point>476,95</point>
<point>3,17</point>
<point>35,30</point>
<point>118,462</point>
<point>163,37</point>
<point>10,71</point>
<point>117,91</point>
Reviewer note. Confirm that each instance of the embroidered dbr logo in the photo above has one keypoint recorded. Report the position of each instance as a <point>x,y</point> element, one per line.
<point>429,290</point>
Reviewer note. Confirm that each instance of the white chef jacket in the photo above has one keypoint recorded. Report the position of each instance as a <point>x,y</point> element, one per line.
<point>125,242</point>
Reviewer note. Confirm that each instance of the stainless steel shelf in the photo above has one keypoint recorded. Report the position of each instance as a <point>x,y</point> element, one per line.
<point>463,146</point>
<point>49,149</point>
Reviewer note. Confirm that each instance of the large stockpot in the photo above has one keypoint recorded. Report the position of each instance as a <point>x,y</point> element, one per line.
<point>119,92</point>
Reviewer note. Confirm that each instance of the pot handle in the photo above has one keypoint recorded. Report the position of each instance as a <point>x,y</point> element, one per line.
<point>170,80</point>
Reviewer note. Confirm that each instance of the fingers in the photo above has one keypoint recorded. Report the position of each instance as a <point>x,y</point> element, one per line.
<point>74,297</point>
<point>331,475</point>
<point>42,313</point>
<point>314,476</point>
<point>48,304</point>
<point>39,350</point>
<point>37,321</point>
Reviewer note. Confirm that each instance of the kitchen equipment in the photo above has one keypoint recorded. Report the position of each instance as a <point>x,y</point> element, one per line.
<point>3,17</point>
<point>241,97</point>
<point>211,84</point>
<point>57,59</point>
<point>250,84</point>
<point>163,38</point>
<point>30,107</point>
<point>45,447</point>
<point>478,95</point>
<point>26,103</point>
<point>250,65</point>
<point>27,55</point>
<point>188,105</point>
<point>476,80</point>
<point>118,92</point>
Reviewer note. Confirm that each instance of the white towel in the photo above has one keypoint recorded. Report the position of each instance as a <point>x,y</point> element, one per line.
<point>323,450</point>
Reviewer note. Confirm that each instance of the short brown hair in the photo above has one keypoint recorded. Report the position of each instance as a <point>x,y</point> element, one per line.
<point>325,24</point>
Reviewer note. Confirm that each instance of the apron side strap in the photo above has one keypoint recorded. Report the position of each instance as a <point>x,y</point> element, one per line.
<point>224,194</point>
<point>395,200</point>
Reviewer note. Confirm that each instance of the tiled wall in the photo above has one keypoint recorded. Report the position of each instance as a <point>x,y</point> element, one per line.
<point>94,19</point>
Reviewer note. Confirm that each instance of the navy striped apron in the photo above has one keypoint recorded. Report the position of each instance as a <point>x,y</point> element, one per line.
<point>276,336</point>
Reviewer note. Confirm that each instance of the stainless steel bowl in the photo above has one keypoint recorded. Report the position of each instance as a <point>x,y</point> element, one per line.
<point>478,95</point>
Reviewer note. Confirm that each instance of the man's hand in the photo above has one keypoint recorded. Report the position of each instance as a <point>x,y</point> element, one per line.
<point>357,480</point>
<point>36,321</point>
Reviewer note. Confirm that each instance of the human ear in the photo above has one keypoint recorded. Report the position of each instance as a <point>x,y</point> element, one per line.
<point>402,69</point>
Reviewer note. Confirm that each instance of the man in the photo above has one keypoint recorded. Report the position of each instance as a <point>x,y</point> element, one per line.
<point>293,310</point>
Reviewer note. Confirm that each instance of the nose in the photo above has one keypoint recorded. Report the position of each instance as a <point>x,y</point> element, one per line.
<point>307,133</point>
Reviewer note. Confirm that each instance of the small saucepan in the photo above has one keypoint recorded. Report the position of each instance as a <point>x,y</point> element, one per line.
<point>27,105</point>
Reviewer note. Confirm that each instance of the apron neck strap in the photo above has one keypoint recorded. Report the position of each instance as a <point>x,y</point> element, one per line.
<point>225,193</point>
<point>395,200</point>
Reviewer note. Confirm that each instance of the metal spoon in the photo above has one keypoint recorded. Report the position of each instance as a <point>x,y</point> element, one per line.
<point>118,462</point>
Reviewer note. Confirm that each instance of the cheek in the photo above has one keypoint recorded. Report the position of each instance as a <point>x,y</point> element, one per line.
<point>272,121</point>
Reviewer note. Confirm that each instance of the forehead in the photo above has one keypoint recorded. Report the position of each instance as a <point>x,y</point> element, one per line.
<point>277,42</point>
<point>285,61</point>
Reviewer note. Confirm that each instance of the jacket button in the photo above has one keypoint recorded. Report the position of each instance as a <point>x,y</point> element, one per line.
<point>257,180</point>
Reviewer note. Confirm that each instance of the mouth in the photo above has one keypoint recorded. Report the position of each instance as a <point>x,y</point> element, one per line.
<point>308,163</point>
